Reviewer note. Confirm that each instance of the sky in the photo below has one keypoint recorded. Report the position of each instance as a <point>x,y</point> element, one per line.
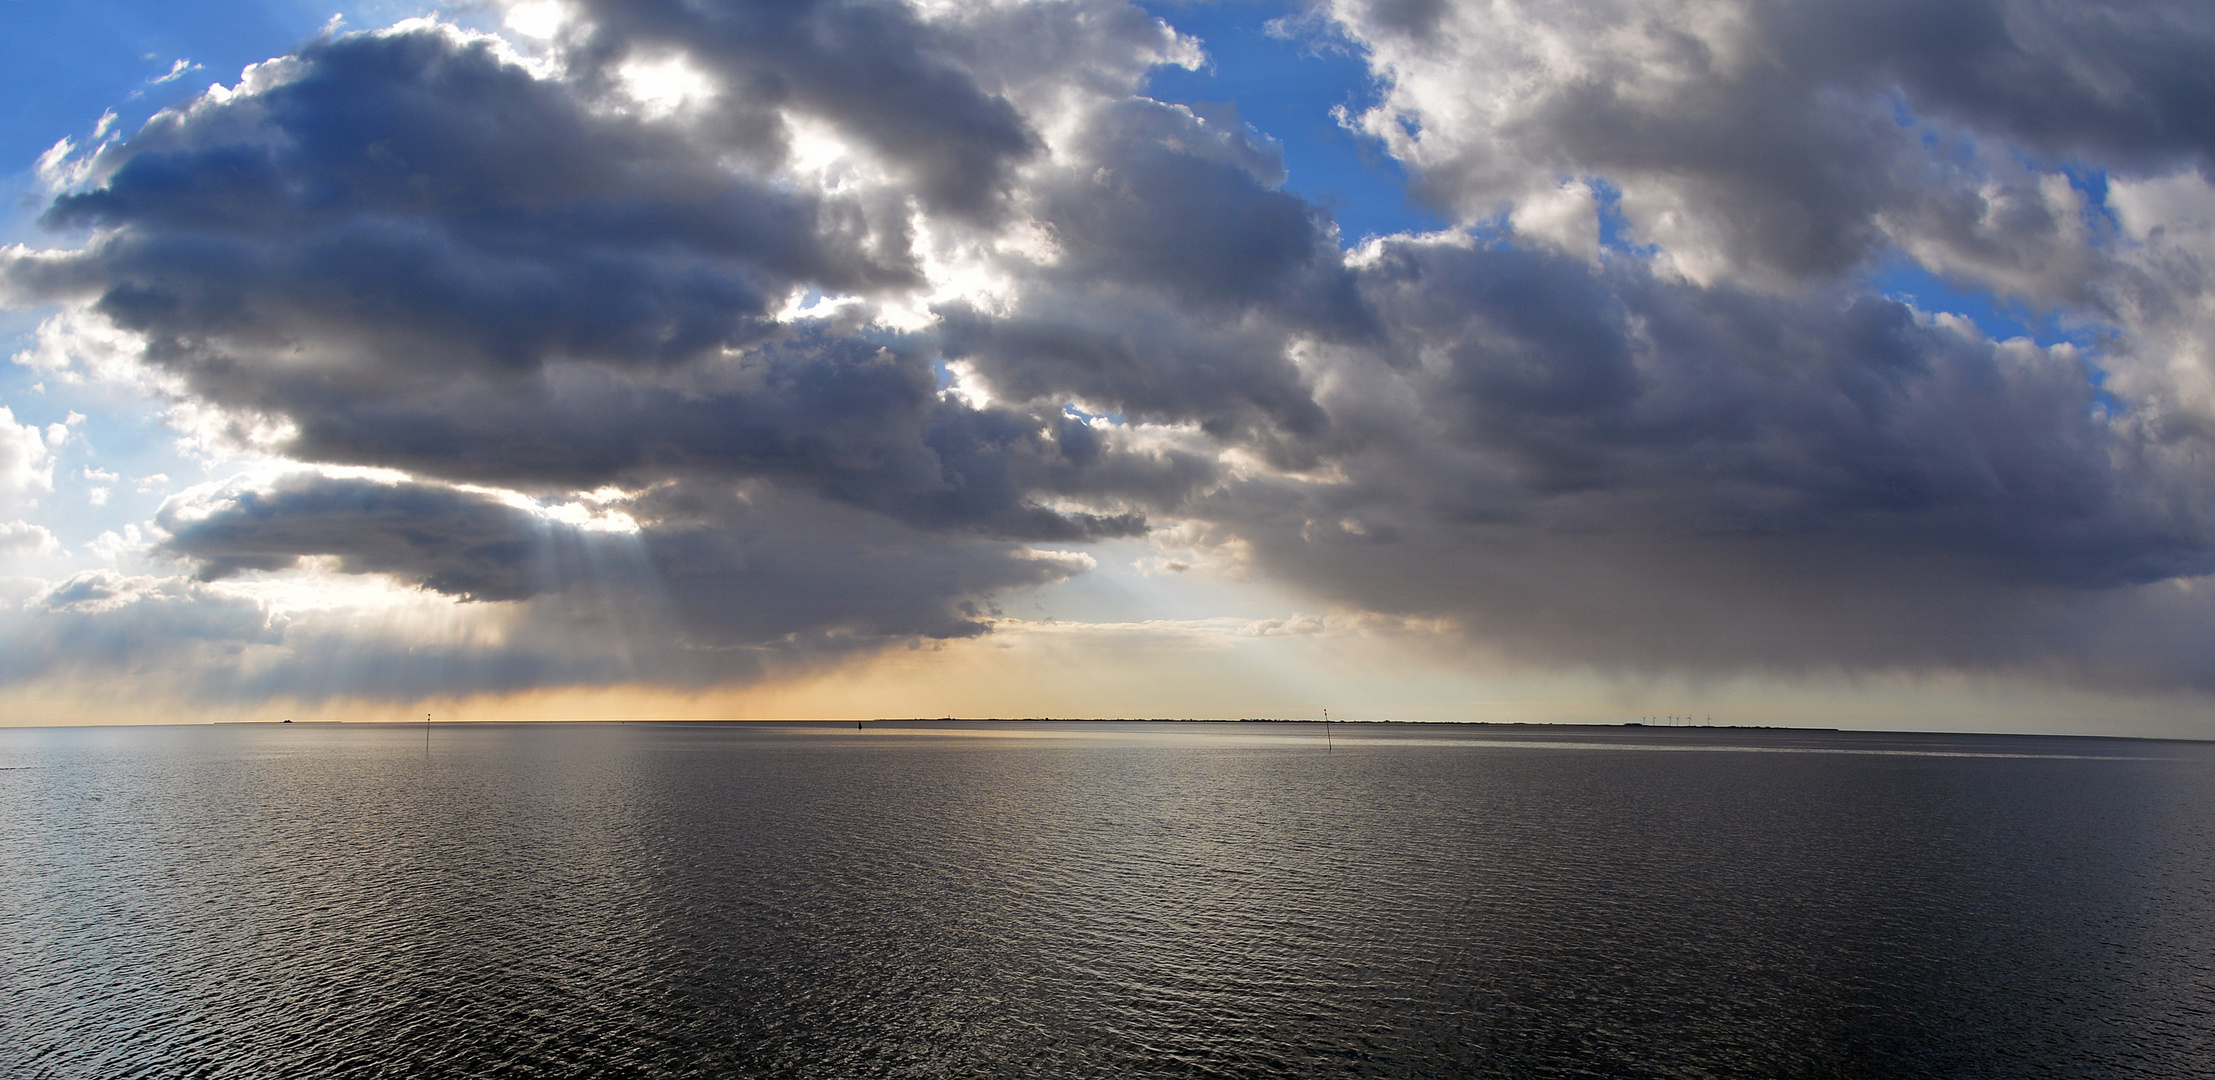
<point>1799,362</point>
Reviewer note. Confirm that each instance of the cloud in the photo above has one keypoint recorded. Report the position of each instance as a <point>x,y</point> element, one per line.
<point>1750,139</point>
<point>21,537</point>
<point>570,297</point>
<point>175,638</point>
<point>879,72</point>
<point>686,582</point>
<point>1181,279</point>
<point>354,195</point>
<point>443,539</point>
<point>80,624</point>
<point>1603,465</point>
<point>26,466</point>
<point>418,250</point>
<point>2164,293</point>
<point>178,69</point>
<point>696,340</point>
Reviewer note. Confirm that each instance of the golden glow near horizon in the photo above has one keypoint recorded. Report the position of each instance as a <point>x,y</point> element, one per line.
<point>1209,671</point>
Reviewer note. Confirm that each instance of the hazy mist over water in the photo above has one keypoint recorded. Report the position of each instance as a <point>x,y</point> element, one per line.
<point>927,900</point>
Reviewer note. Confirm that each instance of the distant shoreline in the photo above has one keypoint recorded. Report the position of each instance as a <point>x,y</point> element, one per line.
<point>1299,720</point>
<point>893,721</point>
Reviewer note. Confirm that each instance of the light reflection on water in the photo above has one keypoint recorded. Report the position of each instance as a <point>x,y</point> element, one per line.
<point>1100,900</point>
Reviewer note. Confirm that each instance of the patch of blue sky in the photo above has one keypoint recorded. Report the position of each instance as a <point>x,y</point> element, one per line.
<point>63,66</point>
<point>1905,280</point>
<point>117,440</point>
<point>1616,231</point>
<point>95,490</point>
<point>1074,411</point>
<point>1901,278</point>
<point>1286,85</point>
<point>2000,318</point>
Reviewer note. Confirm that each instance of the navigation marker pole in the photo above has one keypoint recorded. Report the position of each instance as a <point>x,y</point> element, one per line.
<point>1327,731</point>
<point>426,734</point>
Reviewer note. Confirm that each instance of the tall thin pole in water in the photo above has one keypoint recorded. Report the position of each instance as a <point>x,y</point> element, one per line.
<point>426,734</point>
<point>1327,748</point>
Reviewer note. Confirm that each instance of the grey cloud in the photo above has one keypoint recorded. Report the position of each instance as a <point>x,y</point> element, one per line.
<point>874,68</point>
<point>1137,356</point>
<point>2030,239</point>
<point>855,419</point>
<point>1787,179</point>
<point>110,624</point>
<point>1036,54</point>
<point>1601,466</point>
<point>1160,198</point>
<point>412,202</point>
<point>175,636</point>
<point>446,540</point>
<point>427,257</point>
<point>1182,276</point>
<point>716,589</point>
<point>712,579</point>
<point>1797,138</point>
<point>773,569</point>
<point>2123,83</point>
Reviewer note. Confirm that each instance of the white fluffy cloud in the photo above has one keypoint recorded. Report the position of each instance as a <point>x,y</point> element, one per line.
<point>26,466</point>
<point>22,537</point>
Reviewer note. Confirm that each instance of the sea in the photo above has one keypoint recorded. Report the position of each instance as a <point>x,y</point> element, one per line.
<point>1031,899</point>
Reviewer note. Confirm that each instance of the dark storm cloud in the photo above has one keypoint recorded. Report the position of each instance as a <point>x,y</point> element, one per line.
<point>426,257</point>
<point>801,574</point>
<point>449,541</point>
<point>852,418</point>
<point>742,569</point>
<point>2127,83</point>
<point>1595,465</point>
<point>874,68</point>
<point>412,203</point>
<point>1159,198</point>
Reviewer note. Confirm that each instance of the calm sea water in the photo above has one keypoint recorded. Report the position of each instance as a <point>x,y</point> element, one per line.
<point>1177,900</point>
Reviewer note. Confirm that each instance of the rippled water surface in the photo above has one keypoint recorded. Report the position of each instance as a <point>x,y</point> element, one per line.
<point>1100,900</point>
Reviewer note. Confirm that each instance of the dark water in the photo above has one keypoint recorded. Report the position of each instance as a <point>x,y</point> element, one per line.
<point>1112,900</point>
